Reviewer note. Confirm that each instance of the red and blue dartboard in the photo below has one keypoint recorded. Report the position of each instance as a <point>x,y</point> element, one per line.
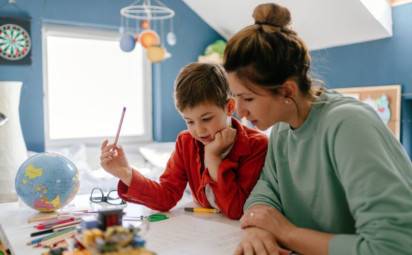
<point>15,42</point>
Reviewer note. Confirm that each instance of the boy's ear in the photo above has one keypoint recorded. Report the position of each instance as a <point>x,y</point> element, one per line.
<point>230,106</point>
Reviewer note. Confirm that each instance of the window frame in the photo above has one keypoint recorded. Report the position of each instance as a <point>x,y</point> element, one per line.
<point>93,33</point>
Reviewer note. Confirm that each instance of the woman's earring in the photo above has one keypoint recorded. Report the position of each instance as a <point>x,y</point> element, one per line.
<point>229,121</point>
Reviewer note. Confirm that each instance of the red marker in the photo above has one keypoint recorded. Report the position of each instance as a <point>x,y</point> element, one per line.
<point>45,226</point>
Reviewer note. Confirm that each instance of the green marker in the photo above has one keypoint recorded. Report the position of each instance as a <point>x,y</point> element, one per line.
<point>157,217</point>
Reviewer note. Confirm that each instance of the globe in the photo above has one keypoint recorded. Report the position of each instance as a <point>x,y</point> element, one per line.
<point>47,181</point>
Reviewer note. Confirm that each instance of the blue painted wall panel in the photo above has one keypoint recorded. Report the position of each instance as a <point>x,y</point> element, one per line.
<point>380,62</point>
<point>193,35</point>
<point>191,42</point>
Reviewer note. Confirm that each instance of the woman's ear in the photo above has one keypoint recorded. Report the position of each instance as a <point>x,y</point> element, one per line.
<point>230,106</point>
<point>289,89</point>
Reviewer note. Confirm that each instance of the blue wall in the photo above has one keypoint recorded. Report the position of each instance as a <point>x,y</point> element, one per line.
<point>386,61</point>
<point>193,35</point>
<point>381,62</point>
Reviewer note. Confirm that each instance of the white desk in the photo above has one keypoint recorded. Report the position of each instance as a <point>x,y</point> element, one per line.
<point>15,229</point>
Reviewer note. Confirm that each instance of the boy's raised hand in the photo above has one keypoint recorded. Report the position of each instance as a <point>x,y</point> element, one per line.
<point>215,149</point>
<point>114,161</point>
<point>222,141</point>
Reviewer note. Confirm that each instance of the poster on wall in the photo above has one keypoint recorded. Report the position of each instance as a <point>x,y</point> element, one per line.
<point>15,41</point>
<point>385,100</point>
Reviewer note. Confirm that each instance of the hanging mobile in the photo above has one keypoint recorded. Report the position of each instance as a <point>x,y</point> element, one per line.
<point>171,37</point>
<point>127,41</point>
<point>147,14</point>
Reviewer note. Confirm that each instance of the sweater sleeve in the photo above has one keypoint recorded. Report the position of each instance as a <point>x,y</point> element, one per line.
<point>235,180</point>
<point>162,195</point>
<point>376,175</point>
<point>266,190</point>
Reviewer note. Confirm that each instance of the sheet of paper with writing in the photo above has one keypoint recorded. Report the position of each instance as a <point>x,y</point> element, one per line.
<point>187,234</point>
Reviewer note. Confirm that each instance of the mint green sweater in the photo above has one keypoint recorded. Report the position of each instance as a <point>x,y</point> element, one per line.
<point>341,172</point>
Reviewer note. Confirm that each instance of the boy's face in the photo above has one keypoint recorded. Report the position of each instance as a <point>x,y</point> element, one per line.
<point>205,120</point>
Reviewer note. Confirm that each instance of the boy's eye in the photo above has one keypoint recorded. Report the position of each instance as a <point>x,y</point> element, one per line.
<point>248,99</point>
<point>189,122</point>
<point>207,119</point>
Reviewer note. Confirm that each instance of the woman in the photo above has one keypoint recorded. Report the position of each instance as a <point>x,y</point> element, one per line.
<point>335,180</point>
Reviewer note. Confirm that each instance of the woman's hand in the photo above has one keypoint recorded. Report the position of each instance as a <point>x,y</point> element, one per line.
<point>114,161</point>
<point>270,219</point>
<point>258,241</point>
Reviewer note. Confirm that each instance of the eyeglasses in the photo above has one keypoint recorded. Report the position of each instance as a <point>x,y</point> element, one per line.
<point>112,197</point>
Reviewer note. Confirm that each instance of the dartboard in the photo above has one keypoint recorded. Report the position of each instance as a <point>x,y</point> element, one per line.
<point>15,42</point>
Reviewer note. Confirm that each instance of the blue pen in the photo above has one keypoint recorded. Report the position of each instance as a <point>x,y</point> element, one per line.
<point>35,241</point>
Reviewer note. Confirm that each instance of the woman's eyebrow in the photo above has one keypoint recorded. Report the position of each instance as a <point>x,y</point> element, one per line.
<point>243,94</point>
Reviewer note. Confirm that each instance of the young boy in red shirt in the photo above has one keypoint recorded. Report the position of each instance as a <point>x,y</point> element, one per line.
<point>219,158</point>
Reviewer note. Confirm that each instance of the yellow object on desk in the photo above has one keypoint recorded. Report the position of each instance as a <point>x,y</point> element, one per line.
<point>201,210</point>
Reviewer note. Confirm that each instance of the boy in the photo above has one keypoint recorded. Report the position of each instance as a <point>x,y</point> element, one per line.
<point>220,158</point>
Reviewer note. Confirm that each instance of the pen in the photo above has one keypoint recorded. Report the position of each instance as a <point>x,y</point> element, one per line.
<point>55,228</point>
<point>120,127</point>
<point>56,220</point>
<point>57,238</point>
<point>56,233</point>
<point>201,209</point>
<point>42,226</point>
<point>71,223</point>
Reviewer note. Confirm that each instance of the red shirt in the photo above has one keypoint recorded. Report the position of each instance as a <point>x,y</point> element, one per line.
<point>237,174</point>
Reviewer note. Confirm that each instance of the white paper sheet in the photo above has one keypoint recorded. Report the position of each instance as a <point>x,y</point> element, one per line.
<point>186,234</point>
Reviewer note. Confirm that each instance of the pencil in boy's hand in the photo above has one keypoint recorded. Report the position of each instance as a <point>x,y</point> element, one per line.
<point>120,127</point>
<point>201,210</point>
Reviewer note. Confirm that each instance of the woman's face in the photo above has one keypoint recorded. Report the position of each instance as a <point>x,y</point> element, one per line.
<point>259,106</point>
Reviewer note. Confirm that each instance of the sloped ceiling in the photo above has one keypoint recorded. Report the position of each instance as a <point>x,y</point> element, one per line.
<point>321,23</point>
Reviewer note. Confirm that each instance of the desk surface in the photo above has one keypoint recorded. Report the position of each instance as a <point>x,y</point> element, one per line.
<point>15,229</point>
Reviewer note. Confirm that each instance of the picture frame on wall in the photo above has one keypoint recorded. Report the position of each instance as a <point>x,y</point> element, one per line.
<point>15,41</point>
<point>385,100</point>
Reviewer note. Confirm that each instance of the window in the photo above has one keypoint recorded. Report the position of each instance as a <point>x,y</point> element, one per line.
<point>88,80</point>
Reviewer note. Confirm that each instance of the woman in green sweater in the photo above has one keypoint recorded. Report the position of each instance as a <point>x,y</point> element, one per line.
<point>335,180</point>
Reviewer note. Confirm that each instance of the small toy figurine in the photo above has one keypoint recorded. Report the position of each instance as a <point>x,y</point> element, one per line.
<point>105,235</point>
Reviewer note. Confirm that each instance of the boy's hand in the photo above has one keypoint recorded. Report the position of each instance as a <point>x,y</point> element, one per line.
<point>113,160</point>
<point>222,141</point>
<point>214,150</point>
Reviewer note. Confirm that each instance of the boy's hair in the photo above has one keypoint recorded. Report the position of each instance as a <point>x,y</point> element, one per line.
<point>201,83</point>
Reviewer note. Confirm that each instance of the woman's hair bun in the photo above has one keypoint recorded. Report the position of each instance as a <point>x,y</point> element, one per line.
<point>272,14</point>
